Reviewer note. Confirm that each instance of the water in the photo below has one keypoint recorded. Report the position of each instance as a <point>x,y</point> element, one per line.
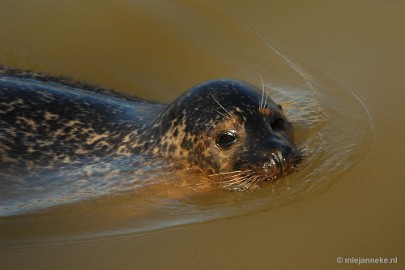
<point>156,51</point>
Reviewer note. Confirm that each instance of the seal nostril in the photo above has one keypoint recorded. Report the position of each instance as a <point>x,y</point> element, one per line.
<point>278,124</point>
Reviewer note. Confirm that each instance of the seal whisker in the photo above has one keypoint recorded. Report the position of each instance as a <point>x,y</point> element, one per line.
<point>224,115</point>
<point>236,180</point>
<point>239,174</point>
<point>265,98</point>
<point>240,182</point>
<point>232,179</point>
<point>224,173</point>
<point>257,179</point>
<point>261,103</point>
<point>227,111</point>
<point>249,183</point>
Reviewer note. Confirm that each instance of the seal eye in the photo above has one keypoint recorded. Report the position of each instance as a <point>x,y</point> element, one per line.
<point>226,139</point>
<point>278,124</point>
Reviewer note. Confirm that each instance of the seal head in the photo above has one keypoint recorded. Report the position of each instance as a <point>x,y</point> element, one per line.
<point>231,130</point>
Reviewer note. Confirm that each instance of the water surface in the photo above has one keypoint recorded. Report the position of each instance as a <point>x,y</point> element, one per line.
<point>319,67</point>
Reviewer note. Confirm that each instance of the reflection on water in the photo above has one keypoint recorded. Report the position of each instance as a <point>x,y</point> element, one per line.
<point>332,126</point>
<point>28,192</point>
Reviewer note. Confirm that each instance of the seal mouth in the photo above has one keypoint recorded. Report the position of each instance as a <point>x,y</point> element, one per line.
<point>278,165</point>
<point>275,167</point>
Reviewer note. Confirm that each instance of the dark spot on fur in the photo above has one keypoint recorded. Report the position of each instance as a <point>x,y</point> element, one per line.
<point>172,148</point>
<point>176,132</point>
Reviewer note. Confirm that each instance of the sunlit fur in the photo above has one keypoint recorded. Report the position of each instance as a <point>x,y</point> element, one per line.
<point>261,153</point>
<point>52,122</point>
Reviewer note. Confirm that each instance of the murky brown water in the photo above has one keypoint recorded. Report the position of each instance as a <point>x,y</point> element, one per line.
<point>338,67</point>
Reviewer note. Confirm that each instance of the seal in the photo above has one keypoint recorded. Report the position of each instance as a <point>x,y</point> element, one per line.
<point>229,130</point>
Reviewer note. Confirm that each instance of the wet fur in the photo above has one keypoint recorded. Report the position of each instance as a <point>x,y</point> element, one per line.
<point>48,122</point>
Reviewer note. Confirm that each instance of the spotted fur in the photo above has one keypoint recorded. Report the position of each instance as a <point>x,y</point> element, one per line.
<point>47,122</point>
